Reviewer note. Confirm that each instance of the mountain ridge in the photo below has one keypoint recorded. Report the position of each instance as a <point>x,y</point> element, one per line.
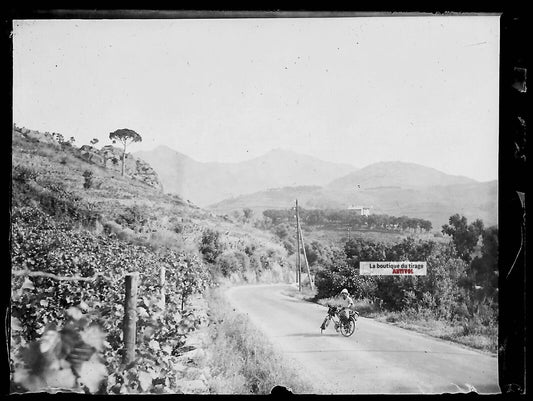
<point>397,173</point>
<point>206,183</point>
<point>275,179</point>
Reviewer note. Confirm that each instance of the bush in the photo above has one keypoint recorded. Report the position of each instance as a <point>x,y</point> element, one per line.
<point>445,272</point>
<point>54,199</point>
<point>334,275</point>
<point>250,249</point>
<point>227,263</point>
<point>24,174</point>
<point>178,228</point>
<point>88,179</point>
<point>210,245</point>
<point>133,217</point>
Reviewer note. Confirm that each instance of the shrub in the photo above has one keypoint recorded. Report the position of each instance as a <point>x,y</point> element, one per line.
<point>243,260</point>
<point>210,245</point>
<point>53,198</point>
<point>250,249</point>
<point>282,231</point>
<point>227,263</point>
<point>133,217</point>
<point>178,228</point>
<point>290,246</point>
<point>88,179</point>
<point>24,174</point>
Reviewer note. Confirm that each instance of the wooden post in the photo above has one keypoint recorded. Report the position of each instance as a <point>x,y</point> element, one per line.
<point>298,262</point>
<point>305,259</point>
<point>130,317</point>
<point>162,281</point>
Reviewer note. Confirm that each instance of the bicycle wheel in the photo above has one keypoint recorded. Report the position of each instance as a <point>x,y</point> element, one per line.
<point>348,327</point>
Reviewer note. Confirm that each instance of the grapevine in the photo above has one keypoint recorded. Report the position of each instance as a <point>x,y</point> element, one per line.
<point>67,283</point>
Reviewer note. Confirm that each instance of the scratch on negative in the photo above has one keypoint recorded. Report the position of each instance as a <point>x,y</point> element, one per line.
<point>476,44</point>
<point>521,196</point>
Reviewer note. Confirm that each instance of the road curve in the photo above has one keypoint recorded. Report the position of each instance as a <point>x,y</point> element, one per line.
<point>377,359</point>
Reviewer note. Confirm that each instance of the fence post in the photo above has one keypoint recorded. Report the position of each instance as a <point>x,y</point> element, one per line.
<point>162,282</point>
<point>130,317</point>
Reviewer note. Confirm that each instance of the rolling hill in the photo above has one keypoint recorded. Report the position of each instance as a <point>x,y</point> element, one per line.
<point>208,183</point>
<point>391,188</point>
<point>396,175</point>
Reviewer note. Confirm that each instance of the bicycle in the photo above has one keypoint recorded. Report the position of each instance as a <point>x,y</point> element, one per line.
<point>346,327</point>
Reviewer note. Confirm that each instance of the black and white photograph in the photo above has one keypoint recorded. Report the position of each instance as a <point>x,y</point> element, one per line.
<point>261,204</point>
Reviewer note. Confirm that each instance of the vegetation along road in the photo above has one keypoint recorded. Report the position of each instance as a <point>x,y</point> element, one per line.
<point>377,358</point>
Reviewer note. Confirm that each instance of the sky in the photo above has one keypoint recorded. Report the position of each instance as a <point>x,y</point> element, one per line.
<point>352,90</point>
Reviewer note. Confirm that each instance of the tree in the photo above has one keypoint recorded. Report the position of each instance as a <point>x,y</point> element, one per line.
<point>465,236</point>
<point>126,137</point>
<point>426,225</point>
<point>210,246</point>
<point>248,213</point>
<point>311,252</point>
<point>333,277</point>
<point>94,141</point>
<point>484,269</point>
<point>281,231</point>
<point>58,137</point>
<point>276,216</point>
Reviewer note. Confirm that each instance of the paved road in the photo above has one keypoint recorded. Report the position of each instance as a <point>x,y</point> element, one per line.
<point>377,359</point>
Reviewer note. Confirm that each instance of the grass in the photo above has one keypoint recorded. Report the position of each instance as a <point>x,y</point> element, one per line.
<point>241,359</point>
<point>470,334</point>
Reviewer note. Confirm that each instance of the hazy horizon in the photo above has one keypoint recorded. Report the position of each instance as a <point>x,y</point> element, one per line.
<point>362,90</point>
<point>303,154</point>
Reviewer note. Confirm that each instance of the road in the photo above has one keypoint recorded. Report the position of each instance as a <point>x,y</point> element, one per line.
<point>377,359</point>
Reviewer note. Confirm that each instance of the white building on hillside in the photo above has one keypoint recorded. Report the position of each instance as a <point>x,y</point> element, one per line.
<point>360,210</point>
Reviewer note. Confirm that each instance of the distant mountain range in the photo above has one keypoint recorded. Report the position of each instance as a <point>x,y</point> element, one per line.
<point>276,179</point>
<point>208,183</point>
<point>393,188</point>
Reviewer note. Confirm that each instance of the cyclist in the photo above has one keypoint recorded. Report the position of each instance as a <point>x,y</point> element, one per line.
<point>347,298</point>
<point>344,314</point>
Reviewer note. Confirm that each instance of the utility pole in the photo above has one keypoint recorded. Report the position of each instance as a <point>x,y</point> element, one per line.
<point>305,258</point>
<point>298,262</point>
